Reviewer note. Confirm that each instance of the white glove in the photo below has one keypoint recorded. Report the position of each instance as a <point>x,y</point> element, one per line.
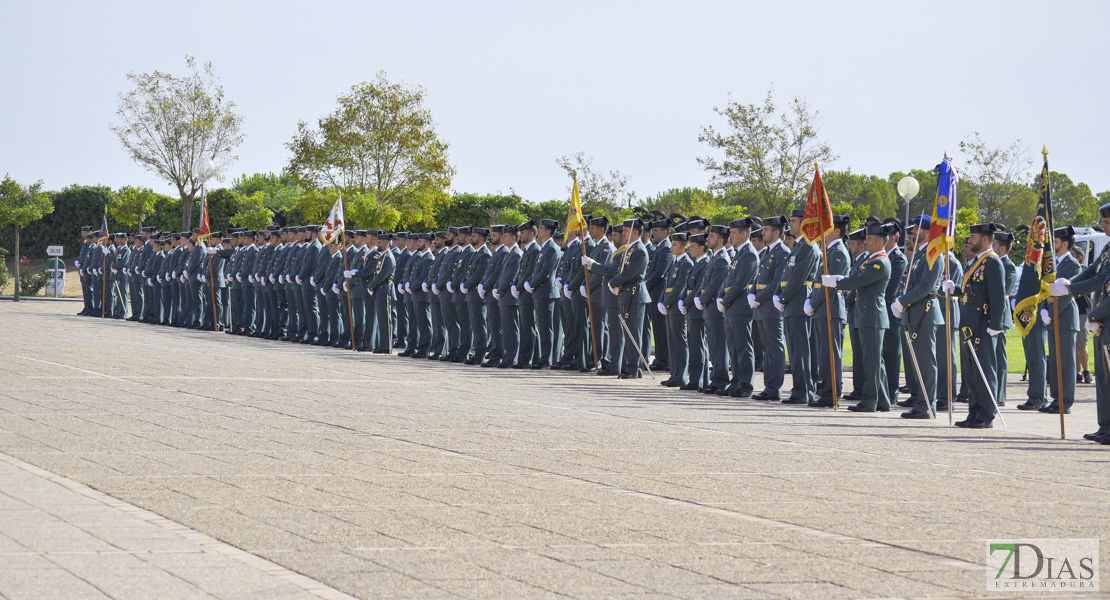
<point>201,279</point>
<point>263,282</point>
<point>280,278</point>
<point>662,308</point>
<point>496,296</point>
<point>808,308</point>
<point>239,276</point>
<point>516,292</point>
<point>721,304</point>
<point>298,280</point>
<point>831,280</point>
<point>149,282</point>
<point>174,274</point>
<point>948,286</point>
<point>681,307</point>
<point>566,292</point>
<point>897,307</point>
<point>559,282</point>
<point>212,250</point>
<point>312,281</point>
<point>335,288</point>
<point>698,304</point>
<point>1013,304</point>
<point>586,261</point>
<point>481,292</point>
<point>751,301</point>
<point>463,289</point>
<point>450,288</point>
<point>400,288</point>
<point>115,271</point>
<point>76,263</point>
<point>106,251</point>
<point>778,303</point>
<point>435,290</point>
<point>1044,317</point>
<point>324,292</point>
<point>528,287</point>
<point>481,288</point>
<point>424,286</point>
<point>613,289</point>
<point>894,310</point>
<point>1060,287</point>
<point>159,278</point>
<point>1094,327</point>
<point>345,285</point>
<point>185,274</point>
<point>183,279</point>
<point>582,291</point>
<point>408,287</point>
<point>227,278</point>
<point>250,277</point>
<point>992,332</point>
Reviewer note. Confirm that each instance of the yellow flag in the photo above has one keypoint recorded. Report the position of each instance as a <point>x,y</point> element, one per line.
<point>575,220</point>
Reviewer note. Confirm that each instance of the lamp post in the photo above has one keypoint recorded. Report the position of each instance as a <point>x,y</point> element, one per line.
<point>907,189</point>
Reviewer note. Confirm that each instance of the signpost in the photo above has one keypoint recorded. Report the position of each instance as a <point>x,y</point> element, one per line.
<point>55,271</point>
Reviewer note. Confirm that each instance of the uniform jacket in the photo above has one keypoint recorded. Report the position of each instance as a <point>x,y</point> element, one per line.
<point>870,281</point>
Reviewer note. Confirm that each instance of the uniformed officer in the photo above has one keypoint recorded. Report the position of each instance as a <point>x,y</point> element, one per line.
<point>826,308</point>
<point>625,280</point>
<point>981,309</point>
<point>573,354</point>
<point>507,302</point>
<point>477,263</point>
<point>767,317</point>
<point>439,329</point>
<point>118,261</point>
<point>591,289</point>
<point>756,238</point>
<point>872,319</point>
<point>529,347</point>
<point>421,327</point>
<point>380,286</point>
<point>711,287</point>
<point>1035,344</point>
<point>358,275</point>
<point>790,298</point>
<point>495,352</point>
<point>698,357</point>
<point>659,265</point>
<point>449,256</point>
<point>1003,241</point>
<point>1062,322</point>
<point>675,289</point>
<point>892,344</point>
<point>80,262</point>
<point>919,311</point>
<point>738,313</point>
<point>541,286</point>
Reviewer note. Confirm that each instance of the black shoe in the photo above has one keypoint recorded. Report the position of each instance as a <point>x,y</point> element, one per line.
<point>671,383</point>
<point>433,357</point>
<point>858,408</point>
<point>913,414</point>
<point>1094,437</point>
<point>904,389</point>
<point>570,368</point>
<point>505,366</point>
<point>1087,377</point>
<point>1052,409</point>
<point>520,366</point>
<point>419,355</point>
<point>793,401</point>
<point>741,394</point>
<point>490,363</point>
<point>607,373</point>
<point>474,361</point>
<point>1030,406</point>
<point>725,392</point>
<point>906,403</point>
<point>585,369</point>
<point>630,376</point>
<point>962,399</point>
<point>538,366</point>
<point>406,353</point>
<point>381,352</point>
<point>980,425</point>
<point>852,396</point>
<point>445,358</point>
<point>709,390</point>
<point>821,404</point>
<point>690,387</point>
<point>764,396</point>
<point>963,423</point>
<point>942,405</point>
<point>456,360</point>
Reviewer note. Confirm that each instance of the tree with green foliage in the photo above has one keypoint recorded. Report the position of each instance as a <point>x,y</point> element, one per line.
<point>253,212</point>
<point>478,209</point>
<point>601,193</point>
<point>380,142</point>
<point>687,201</point>
<point>19,207</point>
<point>765,152</point>
<point>281,191</point>
<point>167,122</point>
<point>1072,203</point>
<point>1000,174</point>
<point>130,205</point>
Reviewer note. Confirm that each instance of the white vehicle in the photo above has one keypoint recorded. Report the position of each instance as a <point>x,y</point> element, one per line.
<point>1091,242</point>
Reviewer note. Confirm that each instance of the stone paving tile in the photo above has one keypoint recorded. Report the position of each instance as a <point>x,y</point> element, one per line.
<point>391,478</point>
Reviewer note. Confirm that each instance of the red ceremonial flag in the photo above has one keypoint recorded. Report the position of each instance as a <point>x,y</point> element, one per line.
<point>205,230</point>
<point>817,220</point>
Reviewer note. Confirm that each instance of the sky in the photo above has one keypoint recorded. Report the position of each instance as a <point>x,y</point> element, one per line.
<point>515,85</point>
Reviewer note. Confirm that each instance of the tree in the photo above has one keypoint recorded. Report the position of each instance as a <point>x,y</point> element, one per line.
<point>867,194</point>
<point>768,153</point>
<point>601,193</point>
<point>999,173</point>
<point>1072,204</point>
<point>281,191</point>
<point>167,122</point>
<point>380,142</point>
<point>687,201</point>
<point>20,206</point>
<point>130,205</point>
<point>253,212</point>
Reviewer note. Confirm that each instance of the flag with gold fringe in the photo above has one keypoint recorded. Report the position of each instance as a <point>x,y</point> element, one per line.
<point>1037,273</point>
<point>942,231</point>
<point>818,217</point>
<point>575,220</point>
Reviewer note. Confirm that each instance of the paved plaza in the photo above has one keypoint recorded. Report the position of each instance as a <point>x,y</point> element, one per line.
<point>139,461</point>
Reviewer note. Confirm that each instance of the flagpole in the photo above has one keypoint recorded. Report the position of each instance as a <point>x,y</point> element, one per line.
<point>828,309</point>
<point>1055,303</point>
<point>948,330</point>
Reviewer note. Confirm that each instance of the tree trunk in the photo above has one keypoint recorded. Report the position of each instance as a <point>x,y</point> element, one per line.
<point>186,213</point>
<point>15,291</point>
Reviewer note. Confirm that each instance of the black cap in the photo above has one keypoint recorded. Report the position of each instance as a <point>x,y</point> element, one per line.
<point>757,234</point>
<point>892,228</point>
<point>882,230</point>
<point>679,237</point>
<point>426,236</point>
<point>440,234</point>
<point>497,228</point>
<point>481,231</point>
<point>617,227</point>
<point>453,230</point>
<point>249,233</point>
<point>663,224</point>
<point>549,223</point>
<point>841,220</point>
<point>236,233</point>
<point>1104,210</point>
<point>1006,236</point>
<point>799,214</point>
<point>386,236</point>
<point>373,232</point>
<point>601,221</point>
<point>89,227</point>
<point>983,228</point>
<point>634,223</point>
<point>858,234</point>
<point>775,221</point>
<point>697,223</point>
<point>698,238</point>
<point>177,236</point>
<point>676,218</point>
<point>744,223</point>
<point>225,241</point>
<point>148,230</point>
<point>1066,232</point>
<point>313,228</point>
<point>510,229</point>
<point>401,234</point>
<point>526,225</point>
<point>682,227</point>
<point>465,230</point>
<point>894,223</point>
<point>719,229</point>
<point>196,230</point>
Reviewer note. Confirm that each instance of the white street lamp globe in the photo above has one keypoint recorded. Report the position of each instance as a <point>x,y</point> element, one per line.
<point>908,188</point>
<point>204,169</point>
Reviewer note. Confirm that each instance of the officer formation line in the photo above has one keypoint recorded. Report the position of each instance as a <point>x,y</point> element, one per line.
<point>708,305</point>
